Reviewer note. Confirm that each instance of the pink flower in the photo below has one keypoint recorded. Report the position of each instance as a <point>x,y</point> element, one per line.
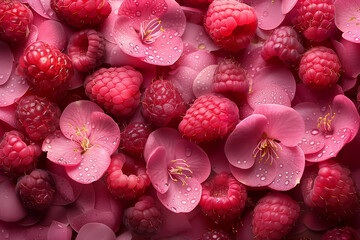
<point>263,151</point>
<point>327,128</point>
<point>151,30</point>
<point>85,143</point>
<point>347,19</point>
<point>176,168</point>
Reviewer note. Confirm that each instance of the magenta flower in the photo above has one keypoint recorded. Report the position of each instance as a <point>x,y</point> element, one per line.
<point>347,19</point>
<point>176,168</point>
<point>327,128</point>
<point>263,151</point>
<point>150,30</point>
<point>85,143</point>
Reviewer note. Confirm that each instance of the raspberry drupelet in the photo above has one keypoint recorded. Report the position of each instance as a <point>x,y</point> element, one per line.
<point>134,137</point>
<point>215,234</point>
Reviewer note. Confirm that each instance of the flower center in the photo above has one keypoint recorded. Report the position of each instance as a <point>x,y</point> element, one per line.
<point>81,138</point>
<point>325,123</point>
<point>267,149</point>
<point>150,31</point>
<point>179,170</point>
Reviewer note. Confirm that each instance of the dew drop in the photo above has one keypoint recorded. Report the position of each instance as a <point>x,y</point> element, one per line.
<point>262,178</point>
<point>188,189</point>
<point>183,202</point>
<point>174,209</point>
<point>265,13</point>
<point>286,182</point>
<point>188,152</point>
<point>315,132</point>
<point>192,201</point>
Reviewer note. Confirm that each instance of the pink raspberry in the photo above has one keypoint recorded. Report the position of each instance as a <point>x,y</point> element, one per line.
<point>37,116</point>
<point>36,190</point>
<point>86,48</point>
<point>320,68</point>
<point>332,191</point>
<point>274,216</point>
<point>231,24</point>
<point>115,89</point>
<point>82,13</point>
<point>284,43</point>
<point>126,178</point>
<point>163,104</point>
<point>215,234</point>
<point>343,233</point>
<point>314,18</point>
<point>209,118</point>
<point>144,218</point>
<point>17,157</point>
<point>134,137</point>
<point>223,197</point>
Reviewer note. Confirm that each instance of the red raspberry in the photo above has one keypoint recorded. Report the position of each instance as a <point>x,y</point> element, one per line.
<point>86,48</point>
<point>115,89</point>
<point>230,79</point>
<point>82,13</point>
<point>36,190</point>
<point>134,137</point>
<point>48,70</point>
<point>314,18</point>
<point>320,68</point>
<point>215,234</point>
<point>163,104</point>
<point>210,117</point>
<point>17,157</point>
<point>230,24</point>
<point>15,21</point>
<point>126,178</point>
<point>144,218</point>
<point>37,116</point>
<point>274,216</point>
<point>223,197</point>
<point>344,233</point>
<point>332,191</point>
<point>284,43</point>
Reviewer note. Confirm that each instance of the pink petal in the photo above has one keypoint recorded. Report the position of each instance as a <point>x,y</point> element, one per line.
<point>85,202</point>
<point>183,78</point>
<point>203,83</point>
<point>241,143</point>
<point>287,5</point>
<point>93,216</point>
<point>352,36</point>
<point>269,13</point>
<point>315,221</point>
<point>197,60</point>
<point>19,50</point>
<point>13,89</point>
<point>196,35</point>
<point>156,168</point>
<point>6,62</point>
<point>347,15</point>
<point>174,18</point>
<point>7,115</point>
<point>107,26</point>
<point>38,8</point>
<point>181,198</point>
<point>349,54</point>
<point>285,124</point>
<point>52,32</point>
<point>245,231</point>
<point>346,82</point>
<point>61,150</point>
<point>218,160</point>
<point>64,194</point>
<point>95,231</point>
<point>48,9</point>
<point>59,231</point>
<point>94,163</point>
<point>245,110</point>
<point>143,10</point>
<point>193,15</point>
<point>289,168</point>
<point>268,94</point>
<point>76,81</point>
<point>54,213</point>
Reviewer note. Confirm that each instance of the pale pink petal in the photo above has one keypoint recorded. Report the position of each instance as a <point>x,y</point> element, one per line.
<point>48,9</point>
<point>52,32</point>
<point>76,81</point>
<point>107,26</point>
<point>285,124</point>
<point>93,216</point>
<point>289,168</point>
<point>287,5</point>
<point>197,59</point>
<point>6,62</point>
<point>143,10</point>
<point>203,83</point>
<point>352,36</point>
<point>269,13</point>
<point>181,198</point>
<point>15,87</point>
<point>125,236</point>
<point>268,94</point>
<point>85,201</point>
<point>7,115</point>
<point>196,35</point>
<point>347,15</point>
<point>19,50</point>
<point>193,15</point>
<point>252,61</point>
<point>245,110</point>
<point>95,231</point>
<point>157,169</point>
<point>347,83</point>
<point>349,55</point>
<point>94,163</point>
<point>38,8</point>
<point>241,143</point>
<point>183,78</point>
<point>59,231</point>
<point>174,17</point>
<point>64,193</point>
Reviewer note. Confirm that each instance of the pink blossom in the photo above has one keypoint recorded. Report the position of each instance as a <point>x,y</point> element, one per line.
<point>347,19</point>
<point>176,168</point>
<point>263,151</point>
<point>150,30</point>
<point>85,143</point>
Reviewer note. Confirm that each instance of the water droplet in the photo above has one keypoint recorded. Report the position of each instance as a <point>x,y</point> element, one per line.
<point>280,165</point>
<point>262,178</point>
<point>286,182</point>
<point>312,143</point>
<point>183,202</point>
<point>265,13</point>
<point>138,13</point>
<point>174,209</point>
<point>188,189</point>
<point>193,201</point>
<point>188,152</point>
<point>315,132</point>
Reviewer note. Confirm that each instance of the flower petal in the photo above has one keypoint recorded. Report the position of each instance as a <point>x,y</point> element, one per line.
<point>64,193</point>
<point>347,15</point>
<point>285,124</point>
<point>107,26</point>
<point>183,80</point>
<point>241,143</point>
<point>6,62</point>
<point>94,163</point>
<point>143,10</point>
<point>93,216</point>
<point>268,94</point>
<point>95,231</point>
<point>203,83</point>
<point>174,17</point>
<point>181,198</point>
<point>156,169</point>
<point>352,36</point>
<point>196,35</point>
<point>287,5</point>
<point>289,168</point>
<point>349,55</point>
<point>59,231</point>
<point>269,13</point>
<point>14,88</point>
<point>52,32</point>
<point>7,115</point>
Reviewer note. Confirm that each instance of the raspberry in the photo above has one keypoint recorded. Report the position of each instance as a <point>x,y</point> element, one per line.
<point>37,116</point>
<point>126,178</point>
<point>223,197</point>
<point>36,190</point>
<point>144,218</point>
<point>86,48</point>
<point>284,43</point>
<point>215,234</point>
<point>209,118</point>
<point>332,191</point>
<point>274,216</point>
<point>115,89</point>
<point>17,157</point>
<point>344,233</point>
<point>134,137</point>
<point>15,21</point>
<point>230,24</point>
<point>82,13</point>
<point>163,104</point>
<point>230,80</point>
<point>319,68</point>
<point>314,18</point>
<point>48,70</point>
